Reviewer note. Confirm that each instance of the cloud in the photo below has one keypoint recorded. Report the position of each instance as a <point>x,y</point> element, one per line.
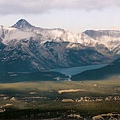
<point>43,6</point>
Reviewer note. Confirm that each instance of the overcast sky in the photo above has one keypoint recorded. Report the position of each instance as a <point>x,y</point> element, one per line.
<point>73,15</point>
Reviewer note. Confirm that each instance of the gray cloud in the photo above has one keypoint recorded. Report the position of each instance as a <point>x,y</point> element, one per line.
<point>42,6</point>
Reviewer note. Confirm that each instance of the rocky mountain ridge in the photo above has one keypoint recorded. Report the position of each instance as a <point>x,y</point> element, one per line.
<point>26,48</point>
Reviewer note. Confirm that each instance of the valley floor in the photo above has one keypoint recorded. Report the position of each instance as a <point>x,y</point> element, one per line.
<point>85,100</point>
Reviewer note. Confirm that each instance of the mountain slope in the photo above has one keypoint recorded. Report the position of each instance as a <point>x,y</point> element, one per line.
<point>8,34</point>
<point>26,48</point>
<point>50,55</point>
<point>110,38</point>
<point>110,70</point>
<point>105,42</point>
<point>90,38</point>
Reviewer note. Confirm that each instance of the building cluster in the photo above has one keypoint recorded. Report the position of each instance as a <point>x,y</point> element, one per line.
<point>85,99</point>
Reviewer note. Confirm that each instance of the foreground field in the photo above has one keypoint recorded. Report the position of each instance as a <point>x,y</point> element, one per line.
<point>65,99</point>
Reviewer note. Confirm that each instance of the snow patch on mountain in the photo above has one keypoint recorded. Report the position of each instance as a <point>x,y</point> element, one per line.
<point>89,38</point>
<point>109,38</point>
<point>9,33</point>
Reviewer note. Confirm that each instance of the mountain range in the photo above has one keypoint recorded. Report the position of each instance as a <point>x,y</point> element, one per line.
<point>26,48</point>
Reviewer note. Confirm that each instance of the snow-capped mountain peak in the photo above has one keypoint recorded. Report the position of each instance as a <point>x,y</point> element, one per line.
<point>22,24</point>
